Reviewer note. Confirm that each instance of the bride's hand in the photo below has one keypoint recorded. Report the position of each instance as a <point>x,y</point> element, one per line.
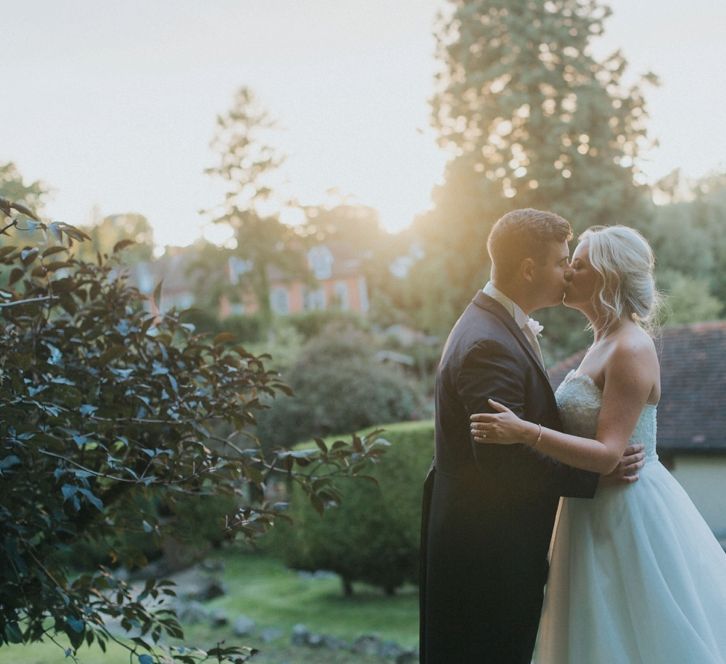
<point>500,428</point>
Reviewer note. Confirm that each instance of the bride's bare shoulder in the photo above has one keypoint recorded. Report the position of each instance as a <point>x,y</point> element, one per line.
<point>634,345</point>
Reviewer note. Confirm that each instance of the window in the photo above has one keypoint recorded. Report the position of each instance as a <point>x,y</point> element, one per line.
<point>314,299</point>
<point>320,260</point>
<point>341,295</point>
<point>279,300</point>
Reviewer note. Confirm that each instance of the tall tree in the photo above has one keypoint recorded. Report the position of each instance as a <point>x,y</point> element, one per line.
<point>248,166</point>
<point>14,188</point>
<point>532,118</point>
<point>114,228</point>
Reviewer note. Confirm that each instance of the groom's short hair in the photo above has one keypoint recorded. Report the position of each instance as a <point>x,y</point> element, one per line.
<point>521,234</point>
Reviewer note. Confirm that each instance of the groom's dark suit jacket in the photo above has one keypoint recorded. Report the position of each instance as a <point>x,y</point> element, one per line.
<point>488,510</point>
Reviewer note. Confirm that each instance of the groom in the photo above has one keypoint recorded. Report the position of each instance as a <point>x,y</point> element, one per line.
<point>489,510</point>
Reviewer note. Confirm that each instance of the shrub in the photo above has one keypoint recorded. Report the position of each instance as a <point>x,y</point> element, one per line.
<point>246,329</point>
<point>105,407</point>
<point>373,535</point>
<point>312,323</point>
<point>339,387</point>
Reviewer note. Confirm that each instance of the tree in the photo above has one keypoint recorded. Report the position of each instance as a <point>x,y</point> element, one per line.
<point>688,299</point>
<point>14,188</point>
<point>374,535</point>
<point>690,246</point>
<point>103,406</point>
<point>532,119</point>
<point>106,233</point>
<point>248,165</point>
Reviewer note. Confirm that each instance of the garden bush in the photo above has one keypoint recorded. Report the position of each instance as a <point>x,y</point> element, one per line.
<point>339,387</point>
<point>310,324</point>
<point>373,535</point>
<point>104,408</point>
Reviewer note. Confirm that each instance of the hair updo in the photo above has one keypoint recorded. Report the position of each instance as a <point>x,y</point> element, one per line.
<point>625,261</point>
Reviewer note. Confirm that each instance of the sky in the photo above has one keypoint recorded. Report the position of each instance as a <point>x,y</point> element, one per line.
<point>113,104</point>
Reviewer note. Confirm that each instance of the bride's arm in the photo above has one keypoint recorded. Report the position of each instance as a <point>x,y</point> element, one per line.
<point>628,384</point>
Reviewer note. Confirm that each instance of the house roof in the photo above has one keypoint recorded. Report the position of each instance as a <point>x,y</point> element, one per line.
<point>692,408</point>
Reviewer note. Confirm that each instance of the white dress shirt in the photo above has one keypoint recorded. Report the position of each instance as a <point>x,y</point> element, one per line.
<point>515,311</point>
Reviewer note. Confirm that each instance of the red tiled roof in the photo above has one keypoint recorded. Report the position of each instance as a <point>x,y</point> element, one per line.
<point>692,409</point>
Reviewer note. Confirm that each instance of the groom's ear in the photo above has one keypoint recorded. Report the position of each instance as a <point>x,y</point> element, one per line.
<point>527,270</point>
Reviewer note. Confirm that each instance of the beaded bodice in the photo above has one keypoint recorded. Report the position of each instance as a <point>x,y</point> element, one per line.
<point>579,400</point>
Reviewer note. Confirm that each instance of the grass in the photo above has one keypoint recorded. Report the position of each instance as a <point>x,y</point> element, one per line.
<point>272,595</point>
<point>262,589</point>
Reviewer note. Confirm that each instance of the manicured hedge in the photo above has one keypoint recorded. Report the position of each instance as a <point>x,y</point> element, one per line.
<point>373,536</point>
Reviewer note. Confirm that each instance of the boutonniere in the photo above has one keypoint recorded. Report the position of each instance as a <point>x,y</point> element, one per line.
<point>535,326</point>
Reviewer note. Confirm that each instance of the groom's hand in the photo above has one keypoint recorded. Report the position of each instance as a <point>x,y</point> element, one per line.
<point>626,472</point>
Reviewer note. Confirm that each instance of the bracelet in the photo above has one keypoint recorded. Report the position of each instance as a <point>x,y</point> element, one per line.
<point>539,437</point>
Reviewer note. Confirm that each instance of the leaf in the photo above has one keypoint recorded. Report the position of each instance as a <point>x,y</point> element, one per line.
<point>156,296</point>
<point>27,256</point>
<point>93,499</point>
<point>13,633</point>
<point>317,503</point>
<point>4,251</point>
<point>16,274</point>
<point>9,462</point>
<point>30,224</point>
<point>75,636</point>
<point>76,624</point>
<point>112,353</point>
<point>72,231</point>
<point>68,490</point>
<point>146,325</point>
<point>79,439</point>
<point>57,265</point>
<point>52,250</point>
<point>122,244</point>
<point>145,659</point>
<point>56,233</point>
<point>224,337</point>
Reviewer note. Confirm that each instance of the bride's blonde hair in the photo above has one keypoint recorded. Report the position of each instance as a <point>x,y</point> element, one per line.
<point>625,261</point>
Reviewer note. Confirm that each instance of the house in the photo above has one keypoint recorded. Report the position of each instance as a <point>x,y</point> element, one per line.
<point>691,413</point>
<point>339,282</point>
<point>171,269</point>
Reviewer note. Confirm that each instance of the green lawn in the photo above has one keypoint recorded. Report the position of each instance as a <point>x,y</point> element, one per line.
<point>264,590</point>
<point>272,595</point>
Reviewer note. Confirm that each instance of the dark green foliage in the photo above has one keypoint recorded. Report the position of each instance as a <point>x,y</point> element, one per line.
<point>339,387</point>
<point>690,247</point>
<point>311,323</point>
<point>246,329</point>
<point>373,536</point>
<point>110,418</point>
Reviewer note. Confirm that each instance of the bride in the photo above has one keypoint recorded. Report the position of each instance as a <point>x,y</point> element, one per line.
<point>635,574</point>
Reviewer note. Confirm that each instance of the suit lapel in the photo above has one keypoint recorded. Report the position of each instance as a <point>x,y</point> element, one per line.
<point>483,301</point>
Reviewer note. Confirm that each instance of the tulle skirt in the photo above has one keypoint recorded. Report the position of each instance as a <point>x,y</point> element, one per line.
<point>636,576</point>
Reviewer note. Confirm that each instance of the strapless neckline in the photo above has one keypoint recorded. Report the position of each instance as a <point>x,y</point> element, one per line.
<point>573,375</point>
<point>579,399</point>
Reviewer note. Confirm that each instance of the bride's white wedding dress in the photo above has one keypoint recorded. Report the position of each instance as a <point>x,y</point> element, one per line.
<point>636,576</point>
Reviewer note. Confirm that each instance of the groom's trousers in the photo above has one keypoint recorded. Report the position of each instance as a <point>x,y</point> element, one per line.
<point>483,571</point>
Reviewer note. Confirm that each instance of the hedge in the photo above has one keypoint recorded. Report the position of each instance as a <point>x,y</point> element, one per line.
<point>373,535</point>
